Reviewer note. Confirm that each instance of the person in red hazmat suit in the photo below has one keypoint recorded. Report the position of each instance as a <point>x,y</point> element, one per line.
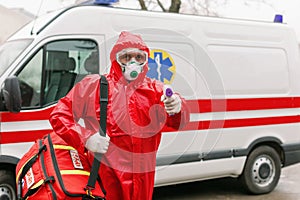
<point>138,111</point>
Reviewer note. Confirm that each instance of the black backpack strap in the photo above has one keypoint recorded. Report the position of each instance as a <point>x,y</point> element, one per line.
<point>102,130</point>
<point>103,104</point>
<point>32,160</point>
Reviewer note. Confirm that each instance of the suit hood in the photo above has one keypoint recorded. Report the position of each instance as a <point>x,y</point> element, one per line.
<point>127,40</point>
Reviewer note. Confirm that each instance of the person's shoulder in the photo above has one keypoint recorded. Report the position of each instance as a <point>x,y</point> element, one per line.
<point>91,78</point>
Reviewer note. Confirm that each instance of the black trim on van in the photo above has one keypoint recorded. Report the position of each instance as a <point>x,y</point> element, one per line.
<point>177,159</point>
<point>9,159</point>
<point>291,154</point>
<point>195,157</point>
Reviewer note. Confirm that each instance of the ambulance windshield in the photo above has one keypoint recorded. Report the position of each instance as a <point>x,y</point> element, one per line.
<point>9,51</point>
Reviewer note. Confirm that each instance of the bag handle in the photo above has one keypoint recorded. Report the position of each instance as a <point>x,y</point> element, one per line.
<point>102,130</point>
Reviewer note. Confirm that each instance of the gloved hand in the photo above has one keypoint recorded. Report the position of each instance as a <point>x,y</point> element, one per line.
<point>172,104</point>
<point>97,143</point>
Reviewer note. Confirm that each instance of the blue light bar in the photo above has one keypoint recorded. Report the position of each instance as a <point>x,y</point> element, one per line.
<point>106,2</point>
<point>278,19</point>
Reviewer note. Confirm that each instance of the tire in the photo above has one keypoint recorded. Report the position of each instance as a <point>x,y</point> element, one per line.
<point>7,185</point>
<point>262,171</point>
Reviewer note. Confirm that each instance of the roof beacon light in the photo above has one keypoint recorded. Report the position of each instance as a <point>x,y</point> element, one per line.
<point>106,2</point>
<point>278,19</point>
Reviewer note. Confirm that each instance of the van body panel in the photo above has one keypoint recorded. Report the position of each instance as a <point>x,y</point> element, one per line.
<point>240,79</point>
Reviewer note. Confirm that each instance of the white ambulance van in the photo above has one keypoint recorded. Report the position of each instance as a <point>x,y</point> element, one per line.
<point>240,80</point>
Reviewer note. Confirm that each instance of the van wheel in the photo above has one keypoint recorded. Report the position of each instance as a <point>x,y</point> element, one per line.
<point>7,185</point>
<point>262,170</point>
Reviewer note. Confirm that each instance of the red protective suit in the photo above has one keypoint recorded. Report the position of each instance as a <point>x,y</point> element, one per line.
<point>135,119</point>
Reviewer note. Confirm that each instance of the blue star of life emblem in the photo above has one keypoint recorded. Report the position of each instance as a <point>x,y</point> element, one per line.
<point>161,66</point>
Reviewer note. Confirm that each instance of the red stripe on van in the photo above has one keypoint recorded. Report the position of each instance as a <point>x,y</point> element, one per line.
<point>219,105</point>
<point>196,106</point>
<point>22,136</point>
<point>27,115</point>
<point>29,136</point>
<point>235,123</point>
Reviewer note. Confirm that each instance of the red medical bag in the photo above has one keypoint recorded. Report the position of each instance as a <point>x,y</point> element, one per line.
<point>53,170</point>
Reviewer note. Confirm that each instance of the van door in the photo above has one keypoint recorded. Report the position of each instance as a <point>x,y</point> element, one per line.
<point>173,61</point>
<point>44,78</point>
<point>186,66</point>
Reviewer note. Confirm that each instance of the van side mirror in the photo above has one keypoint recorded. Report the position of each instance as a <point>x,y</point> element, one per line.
<point>12,94</point>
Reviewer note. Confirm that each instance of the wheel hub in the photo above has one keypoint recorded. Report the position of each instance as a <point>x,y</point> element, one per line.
<point>5,192</point>
<point>263,171</point>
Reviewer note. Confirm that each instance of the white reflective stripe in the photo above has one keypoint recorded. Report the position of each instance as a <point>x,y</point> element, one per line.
<point>15,149</point>
<point>36,111</point>
<point>244,114</point>
<point>25,126</point>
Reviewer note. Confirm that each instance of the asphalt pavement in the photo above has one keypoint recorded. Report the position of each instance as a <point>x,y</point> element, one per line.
<point>288,188</point>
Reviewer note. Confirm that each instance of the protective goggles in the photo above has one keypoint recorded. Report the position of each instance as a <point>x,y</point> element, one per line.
<point>132,54</point>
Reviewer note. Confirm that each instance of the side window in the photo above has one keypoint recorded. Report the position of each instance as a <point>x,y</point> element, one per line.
<point>30,81</point>
<point>55,69</point>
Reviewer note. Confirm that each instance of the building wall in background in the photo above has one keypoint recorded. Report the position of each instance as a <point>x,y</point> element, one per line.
<point>11,20</point>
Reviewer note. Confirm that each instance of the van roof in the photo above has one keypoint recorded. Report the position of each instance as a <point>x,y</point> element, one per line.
<point>38,25</point>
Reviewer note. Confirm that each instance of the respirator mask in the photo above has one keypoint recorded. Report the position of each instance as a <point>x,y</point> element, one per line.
<point>132,61</point>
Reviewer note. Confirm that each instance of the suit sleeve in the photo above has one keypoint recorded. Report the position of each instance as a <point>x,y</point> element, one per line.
<point>177,121</point>
<point>74,118</point>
